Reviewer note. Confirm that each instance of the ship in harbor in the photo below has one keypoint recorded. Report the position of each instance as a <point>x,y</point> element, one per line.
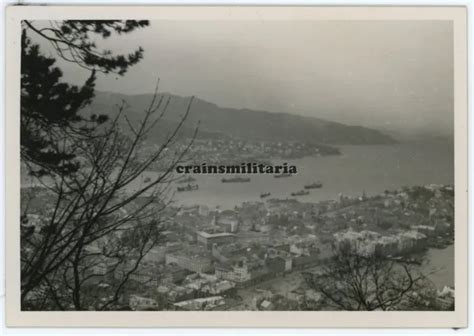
<point>282,175</point>
<point>189,187</point>
<point>187,180</point>
<point>314,185</point>
<point>265,195</point>
<point>236,179</point>
<point>300,193</point>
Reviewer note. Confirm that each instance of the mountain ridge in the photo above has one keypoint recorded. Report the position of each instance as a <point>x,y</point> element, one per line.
<point>243,123</point>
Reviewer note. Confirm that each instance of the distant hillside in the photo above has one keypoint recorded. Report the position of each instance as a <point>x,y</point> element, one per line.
<point>243,123</point>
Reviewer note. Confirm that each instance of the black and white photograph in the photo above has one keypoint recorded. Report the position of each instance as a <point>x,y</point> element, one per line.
<point>178,165</point>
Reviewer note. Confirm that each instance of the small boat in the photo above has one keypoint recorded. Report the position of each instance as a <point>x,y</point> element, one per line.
<point>282,175</point>
<point>264,195</point>
<point>189,187</point>
<point>236,179</point>
<point>300,193</point>
<point>314,185</point>
<point>187,179</point>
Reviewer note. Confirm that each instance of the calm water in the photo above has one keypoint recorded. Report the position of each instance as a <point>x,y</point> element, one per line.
<point>360,168</point>
<point>441,262</point>
<point>372,169</point>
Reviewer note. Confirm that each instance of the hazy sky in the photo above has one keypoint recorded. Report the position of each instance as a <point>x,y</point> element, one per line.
<point>379,73</point>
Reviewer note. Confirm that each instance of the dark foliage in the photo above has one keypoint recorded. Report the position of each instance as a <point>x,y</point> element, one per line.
<point>74,41</point>
<point>352,281</point>
<point>51,122</point>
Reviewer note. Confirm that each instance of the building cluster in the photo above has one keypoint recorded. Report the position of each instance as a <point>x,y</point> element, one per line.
<point>208,255</point>
<point>195,286</point>
<point>212,253</point>
<point>225,150</point>
<point>368,243</point>
<point>266,300</point>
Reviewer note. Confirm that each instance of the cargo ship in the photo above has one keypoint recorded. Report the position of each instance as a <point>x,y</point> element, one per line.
<point>187,179</point>
<point>236,179</point>
<point>314,185</point>
<point>282,175</point>
<point>300,193</point>
<point>189,187</point>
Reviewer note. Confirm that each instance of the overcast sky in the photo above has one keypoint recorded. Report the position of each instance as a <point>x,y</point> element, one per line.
<point>379,73</point>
